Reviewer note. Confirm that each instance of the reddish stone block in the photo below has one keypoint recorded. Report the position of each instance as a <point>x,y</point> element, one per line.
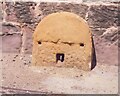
<point>9,28</point>
<point>11,43</point>
<point>48,8</point>
<point>10,14</point>
<point>27,40</point>
<point>102,16</point>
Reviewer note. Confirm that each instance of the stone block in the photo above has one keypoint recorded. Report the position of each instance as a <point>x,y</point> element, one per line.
<point>11,43</point>
<point>23,13</point>
<point>106,53</point>
<point>63,39</point>
<point>103,16</point>
<point>48,8</point>
<point>9,28</point>
<point>9,12</point>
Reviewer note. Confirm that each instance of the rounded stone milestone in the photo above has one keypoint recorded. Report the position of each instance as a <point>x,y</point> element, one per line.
<point>59,36</point>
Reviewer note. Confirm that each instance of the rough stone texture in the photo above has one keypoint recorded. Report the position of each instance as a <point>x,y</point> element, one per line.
<point>111,34</point>
<point>11,43</point>
<point>22,10</point>
<point>101,18</point>
<point>9,12</point>
<point>59,80</point>
<point>8,28</point>
<point>27,38</point>
<point>72,38</point>
<point>79,9</point>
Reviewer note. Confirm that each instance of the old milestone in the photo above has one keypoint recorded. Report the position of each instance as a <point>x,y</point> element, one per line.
<point>62,39</point>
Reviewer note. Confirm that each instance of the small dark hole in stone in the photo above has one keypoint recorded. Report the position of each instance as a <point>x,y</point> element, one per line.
<point>39,42</point>
<point>33,8</point>
<point>70,44</point>
<point>13,60</point>
<point>25,63</point>
<point>82,44</point>
<point>60,57</point>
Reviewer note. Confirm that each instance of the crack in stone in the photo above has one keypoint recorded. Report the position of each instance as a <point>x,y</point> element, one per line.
<point>69,43</point>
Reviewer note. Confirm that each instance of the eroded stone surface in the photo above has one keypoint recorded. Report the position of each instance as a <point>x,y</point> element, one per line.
<point>43,80</point>
<point>22,10</point>
<point>9,12</point>
<point>72,38</point>
<point>79,9</point>
<point>97,16</point>
<point>101,16</point>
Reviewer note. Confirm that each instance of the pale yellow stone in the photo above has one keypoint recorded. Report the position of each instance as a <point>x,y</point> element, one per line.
<point>65,33</point>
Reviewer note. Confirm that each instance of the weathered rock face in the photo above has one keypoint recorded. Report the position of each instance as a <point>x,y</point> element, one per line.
<point>8,28</point>
<point>80,9</point>
<point>23,12</point>
<point>22,18</point>
<point>11,38</point>
<point>63,37</point>
<point>103,16</point>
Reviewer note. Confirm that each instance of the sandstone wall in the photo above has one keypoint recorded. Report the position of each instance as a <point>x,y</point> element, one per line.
<point>19,20</point>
